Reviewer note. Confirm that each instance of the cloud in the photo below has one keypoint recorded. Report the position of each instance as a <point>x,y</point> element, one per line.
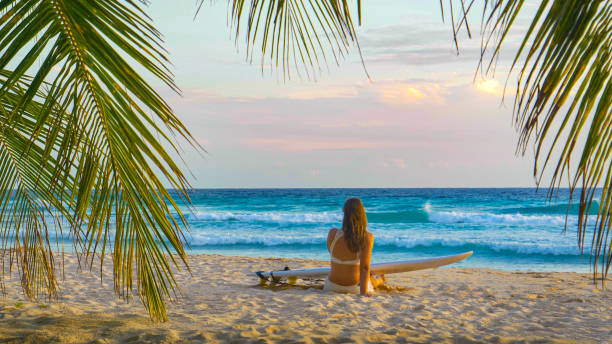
<point>395,162</point>
<point>322,93</point>
<point>284,144</point>
<point>409,34</point>
<point>439,164</point>
<point>383,91</point>
<point>317,144</point>
<point>207,95</point>
<point>399,163</point>
<point>335,125</point>
<point>425,43</point>
<point>370,123</point>
<point>430,43</point>
<point>400,94</point>
<point>489,86</point>
<point>409,92</point>
<point>421,56</point>
<point>315,173</point>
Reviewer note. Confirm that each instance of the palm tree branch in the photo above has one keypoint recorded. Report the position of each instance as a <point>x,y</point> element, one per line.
<point>288,36</point>
<point>112,153</point>
<point>562,100</point>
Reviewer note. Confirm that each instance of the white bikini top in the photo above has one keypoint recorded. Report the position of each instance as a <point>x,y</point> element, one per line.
<point>338,261</point>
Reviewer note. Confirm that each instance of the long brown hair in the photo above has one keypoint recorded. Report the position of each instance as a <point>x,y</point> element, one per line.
<point>354,224</point>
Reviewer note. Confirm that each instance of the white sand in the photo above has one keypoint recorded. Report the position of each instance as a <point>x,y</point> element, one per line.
<point>222,303</point>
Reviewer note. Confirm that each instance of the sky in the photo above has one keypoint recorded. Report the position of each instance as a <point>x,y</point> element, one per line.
<point>424,119</point>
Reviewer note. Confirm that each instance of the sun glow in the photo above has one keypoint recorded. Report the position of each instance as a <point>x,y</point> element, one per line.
<point>490,86</point>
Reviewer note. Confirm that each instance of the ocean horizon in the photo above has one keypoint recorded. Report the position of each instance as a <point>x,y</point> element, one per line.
<point>507,228</point>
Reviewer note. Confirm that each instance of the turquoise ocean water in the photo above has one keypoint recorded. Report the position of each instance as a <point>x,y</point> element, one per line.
<point>509,229</point>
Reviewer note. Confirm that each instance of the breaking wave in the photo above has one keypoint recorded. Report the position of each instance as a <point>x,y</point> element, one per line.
<point>387,242</point>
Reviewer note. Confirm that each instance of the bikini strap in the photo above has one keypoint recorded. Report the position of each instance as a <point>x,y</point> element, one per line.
<point>333,244</point>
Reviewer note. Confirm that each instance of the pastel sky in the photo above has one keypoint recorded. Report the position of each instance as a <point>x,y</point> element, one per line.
<point>422,120</point>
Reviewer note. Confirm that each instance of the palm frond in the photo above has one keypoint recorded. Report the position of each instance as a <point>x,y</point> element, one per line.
<point>303,35</point>
<point>562,100</point>
<point>22,220</point>
<point>85,129</point>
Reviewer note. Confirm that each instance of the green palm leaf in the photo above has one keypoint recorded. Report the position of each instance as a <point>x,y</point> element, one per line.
<point>84,138</point>
<point>562,101</point>
<point>297,34</point>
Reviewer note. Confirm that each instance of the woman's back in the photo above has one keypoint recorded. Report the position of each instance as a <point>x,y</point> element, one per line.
<point>344,263</point>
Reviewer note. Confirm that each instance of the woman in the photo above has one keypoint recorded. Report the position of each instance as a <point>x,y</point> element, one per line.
<point>350,248</point>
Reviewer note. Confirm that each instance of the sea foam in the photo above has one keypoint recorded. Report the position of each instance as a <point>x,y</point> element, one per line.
<point>410,216</point>
<point>275,217</point>
<point>499,219</point>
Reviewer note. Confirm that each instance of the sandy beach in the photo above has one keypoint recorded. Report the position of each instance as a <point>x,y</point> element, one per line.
<point>223,302</point>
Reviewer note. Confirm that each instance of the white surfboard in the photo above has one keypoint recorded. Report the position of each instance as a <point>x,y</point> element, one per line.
<point>379,268</point>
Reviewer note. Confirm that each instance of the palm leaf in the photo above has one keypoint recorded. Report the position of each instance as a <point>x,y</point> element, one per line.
<point>297,34</point>
<point>562,101</point>
<point>23,210</point>
<point>80,139</point>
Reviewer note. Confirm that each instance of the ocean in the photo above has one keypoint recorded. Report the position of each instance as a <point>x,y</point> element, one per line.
<point>508,228</point>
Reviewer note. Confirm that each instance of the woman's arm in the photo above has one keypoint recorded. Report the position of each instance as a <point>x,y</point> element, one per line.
<point>364,266</point>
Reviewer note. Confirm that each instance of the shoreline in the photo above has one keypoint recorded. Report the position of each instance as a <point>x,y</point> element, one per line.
<point>586,270</point>
<point>223,302</point>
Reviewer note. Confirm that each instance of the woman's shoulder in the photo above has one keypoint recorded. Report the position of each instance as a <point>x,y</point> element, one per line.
<point>330,235</point>
<point>332,231</point>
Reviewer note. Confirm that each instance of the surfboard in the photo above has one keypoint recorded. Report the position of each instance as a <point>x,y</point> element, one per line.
<point>378,268</point>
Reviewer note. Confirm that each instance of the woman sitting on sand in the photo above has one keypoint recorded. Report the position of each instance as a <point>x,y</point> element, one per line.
<point>350,248</point>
